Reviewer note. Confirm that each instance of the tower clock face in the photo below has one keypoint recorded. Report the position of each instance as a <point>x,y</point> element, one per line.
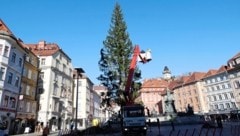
<point>167,76</point>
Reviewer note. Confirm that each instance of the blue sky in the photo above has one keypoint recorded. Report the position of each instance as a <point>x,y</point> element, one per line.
<point>185,35</point>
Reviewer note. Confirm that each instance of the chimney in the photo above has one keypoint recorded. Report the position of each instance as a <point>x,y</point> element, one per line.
<point>41,44</point>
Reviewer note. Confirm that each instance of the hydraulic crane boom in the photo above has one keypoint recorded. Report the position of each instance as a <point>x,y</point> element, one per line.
<point>136,55</point>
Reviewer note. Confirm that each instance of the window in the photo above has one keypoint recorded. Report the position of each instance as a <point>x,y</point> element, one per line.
<point>64,68</point>
<point>41,75</point>
<point>213,80</point>
<point>20,62</point>
<point>208,98</point>
<point>17,81</point>
<point>212,88</point>
<point>55,106</point>
<point>216,106</point>
<point>1,46</point>
<point>238,60</point>
<point>13,59</point>
<point>196,99</point>
<point>229,86</point>
<point>63,81</point>
<point>6,50</point>
<point>13,102</point>
<point>2,71</point>
<point>236,84</point>
<point>28,107</point>
<point>70,71</point>
<point>55,90</point>
<point>5,103</point>
<point>57,64</point>
<point>34,107</point>
<point>43,61</point>
<point>28,90</point>
<point>40,90</point>
<point>21,103</point>
<point>221,106</point>
<point>208,81</point>
<point>214,98</point>
<point>225,95</point>
<point>220,97</point>
<point>233,104</point>
<point>232,96</point>
<point>228,105</point>
<point>223,86</point>
<point>29,74</point>
<point>56,77</point>
<point>10,76</point>
<point>218,88</point>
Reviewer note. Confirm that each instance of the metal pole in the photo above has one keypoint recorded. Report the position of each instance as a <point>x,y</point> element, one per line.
<point>76,117</point>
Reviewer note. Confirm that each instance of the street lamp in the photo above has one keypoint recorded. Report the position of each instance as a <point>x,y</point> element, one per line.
<point>77,73</point>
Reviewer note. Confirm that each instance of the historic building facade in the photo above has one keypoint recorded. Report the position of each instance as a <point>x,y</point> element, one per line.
<point>11,66</point>
<point>219,92</point>
<point>85,102</point>
<point>234,76</point>
<point>189,92</point>
<point>54,85</point>
<point>27,105</point>
<point>151,93</point>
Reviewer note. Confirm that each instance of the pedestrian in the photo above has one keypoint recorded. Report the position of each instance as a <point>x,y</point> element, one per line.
<point>172,124</point>
<point>71,126</point>
<point>45,131</point>
<point>219,121</point>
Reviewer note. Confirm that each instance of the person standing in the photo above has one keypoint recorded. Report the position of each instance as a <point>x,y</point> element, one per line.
<point>219,121</point>
<point>172,124</point>
<point>45,130</point>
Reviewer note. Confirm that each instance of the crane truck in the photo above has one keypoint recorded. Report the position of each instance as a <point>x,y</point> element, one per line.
<point>133,118</point>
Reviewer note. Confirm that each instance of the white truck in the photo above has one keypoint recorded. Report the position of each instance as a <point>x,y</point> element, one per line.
<point>133,120</point>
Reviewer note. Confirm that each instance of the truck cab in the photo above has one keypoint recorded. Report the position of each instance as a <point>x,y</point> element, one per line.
<point>133,120</point>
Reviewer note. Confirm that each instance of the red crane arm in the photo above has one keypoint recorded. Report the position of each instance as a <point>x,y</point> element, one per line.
<point>133,64</point>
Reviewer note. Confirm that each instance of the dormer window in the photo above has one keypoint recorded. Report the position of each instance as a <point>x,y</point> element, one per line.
<point>238,60</point>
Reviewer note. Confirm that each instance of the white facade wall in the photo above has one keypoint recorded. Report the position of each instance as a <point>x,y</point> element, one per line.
<point>88,102</point>
<point>11,70</point>
<point>219,94</point>
<point>56,100</point>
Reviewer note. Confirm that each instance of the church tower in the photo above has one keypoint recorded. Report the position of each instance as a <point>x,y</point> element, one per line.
<point>166,73</point>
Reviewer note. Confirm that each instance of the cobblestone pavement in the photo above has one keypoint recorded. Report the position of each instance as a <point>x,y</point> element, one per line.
<point>229,129</point>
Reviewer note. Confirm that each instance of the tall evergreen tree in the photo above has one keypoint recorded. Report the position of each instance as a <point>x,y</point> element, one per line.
<point>115,58</point>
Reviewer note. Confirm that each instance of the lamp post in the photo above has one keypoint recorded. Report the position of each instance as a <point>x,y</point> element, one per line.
<point>78,72</point>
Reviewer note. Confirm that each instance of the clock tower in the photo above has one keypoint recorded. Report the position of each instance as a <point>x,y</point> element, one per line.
<point>166,73</point>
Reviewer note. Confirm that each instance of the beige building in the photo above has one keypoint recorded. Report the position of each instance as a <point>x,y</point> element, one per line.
<point>27,106</point>
<point>189,92</point>
<point>234,76</point>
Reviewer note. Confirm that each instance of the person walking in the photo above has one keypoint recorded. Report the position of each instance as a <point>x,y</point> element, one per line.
<point>45,131</point>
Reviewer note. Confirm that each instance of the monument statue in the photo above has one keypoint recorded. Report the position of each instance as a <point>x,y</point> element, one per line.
<point>169,103</point>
